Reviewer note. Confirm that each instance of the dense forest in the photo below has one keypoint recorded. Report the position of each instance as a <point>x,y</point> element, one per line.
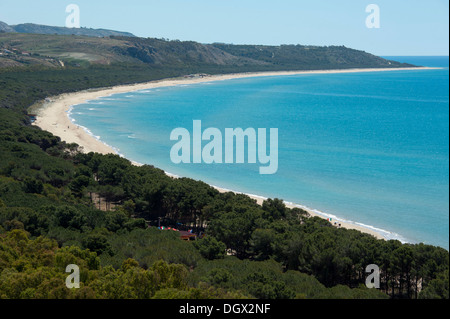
<point>50,217</point>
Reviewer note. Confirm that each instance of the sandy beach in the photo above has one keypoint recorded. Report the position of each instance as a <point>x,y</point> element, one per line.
<point>53,116</point>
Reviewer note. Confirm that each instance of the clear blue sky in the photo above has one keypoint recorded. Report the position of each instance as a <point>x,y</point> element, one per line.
<point>407,27</point>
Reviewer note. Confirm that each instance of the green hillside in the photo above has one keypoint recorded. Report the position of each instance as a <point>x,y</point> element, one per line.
<point>20,49</point>
<point>45,29</point>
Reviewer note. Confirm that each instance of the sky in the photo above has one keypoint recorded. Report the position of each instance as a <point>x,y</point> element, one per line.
<point>405,27</point>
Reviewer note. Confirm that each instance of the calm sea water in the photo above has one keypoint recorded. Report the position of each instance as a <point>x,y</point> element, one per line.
<point>369,148</point>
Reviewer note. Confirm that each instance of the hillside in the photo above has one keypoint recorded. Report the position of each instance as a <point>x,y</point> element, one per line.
<point>45,29</point>
<point>22,49</point>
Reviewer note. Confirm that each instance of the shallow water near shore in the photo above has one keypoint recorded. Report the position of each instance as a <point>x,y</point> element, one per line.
<point>371,148</point>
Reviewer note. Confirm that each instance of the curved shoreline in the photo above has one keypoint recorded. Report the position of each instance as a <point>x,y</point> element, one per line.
<point>54,116</point>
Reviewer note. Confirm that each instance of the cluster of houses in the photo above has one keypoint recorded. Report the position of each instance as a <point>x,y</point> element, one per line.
<point>17,53</point>
<point>6,52</point>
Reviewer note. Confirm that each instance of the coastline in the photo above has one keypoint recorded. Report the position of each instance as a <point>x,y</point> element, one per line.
<point>53,116</point>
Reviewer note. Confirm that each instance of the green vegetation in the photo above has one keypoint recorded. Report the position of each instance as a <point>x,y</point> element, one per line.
<point>36,269</point>
<point>45,29</point>
<point>185,56</point>
<point>48,219</point>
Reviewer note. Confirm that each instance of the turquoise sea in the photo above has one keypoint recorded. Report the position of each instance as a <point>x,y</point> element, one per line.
<point>370,148</point>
